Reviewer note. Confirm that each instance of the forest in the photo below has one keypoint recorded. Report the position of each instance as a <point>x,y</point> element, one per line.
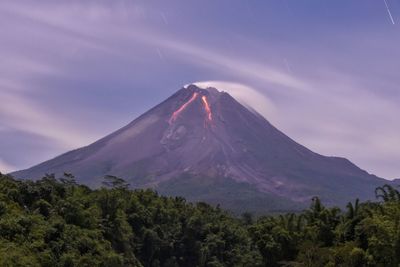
<point>57,222</point>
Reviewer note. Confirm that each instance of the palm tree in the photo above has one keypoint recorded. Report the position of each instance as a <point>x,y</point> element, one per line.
<point>387,193</point>
<point>353,210</point>
<point>349,221</point>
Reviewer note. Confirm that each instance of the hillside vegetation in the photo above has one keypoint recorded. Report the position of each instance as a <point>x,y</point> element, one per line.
<point>56,222</point>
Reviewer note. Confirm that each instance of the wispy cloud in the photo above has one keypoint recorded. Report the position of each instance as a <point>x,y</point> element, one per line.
<point>239,66</point>
<point>17,112</point>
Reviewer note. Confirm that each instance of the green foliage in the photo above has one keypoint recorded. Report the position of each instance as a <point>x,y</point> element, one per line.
<point>56,222</point>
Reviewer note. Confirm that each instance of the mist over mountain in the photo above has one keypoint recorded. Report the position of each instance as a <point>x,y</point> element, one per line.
<point>202,144</point>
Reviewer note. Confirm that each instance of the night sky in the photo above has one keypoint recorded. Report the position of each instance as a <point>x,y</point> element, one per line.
<point>326,73</point>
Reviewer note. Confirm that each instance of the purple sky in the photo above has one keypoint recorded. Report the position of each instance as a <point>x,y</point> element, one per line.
<point>324,72</point>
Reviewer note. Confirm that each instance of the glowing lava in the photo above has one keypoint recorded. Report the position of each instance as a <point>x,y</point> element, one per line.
<point>182,108</point>
<point>207,108</point>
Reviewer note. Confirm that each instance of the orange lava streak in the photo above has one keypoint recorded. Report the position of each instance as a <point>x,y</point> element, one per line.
<point>182,108</point>
<point>207,108</point>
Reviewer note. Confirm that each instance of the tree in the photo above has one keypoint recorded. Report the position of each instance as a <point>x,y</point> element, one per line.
<point>387,193</point>
<point>115,182</point>
<point>68,179</point>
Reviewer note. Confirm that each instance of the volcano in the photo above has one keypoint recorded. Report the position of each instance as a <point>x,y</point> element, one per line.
<point>204,145</point>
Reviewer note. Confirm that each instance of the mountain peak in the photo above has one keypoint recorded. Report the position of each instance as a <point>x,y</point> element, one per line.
<point>194,87</point>
<point>205,90</point>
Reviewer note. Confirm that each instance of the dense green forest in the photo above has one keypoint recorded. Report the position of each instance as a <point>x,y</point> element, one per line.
<point>56,222</point>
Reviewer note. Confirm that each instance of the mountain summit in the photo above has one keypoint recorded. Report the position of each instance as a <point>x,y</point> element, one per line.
<point>204,145</point>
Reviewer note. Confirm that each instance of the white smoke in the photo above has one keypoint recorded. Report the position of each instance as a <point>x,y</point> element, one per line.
<point>246,95</point>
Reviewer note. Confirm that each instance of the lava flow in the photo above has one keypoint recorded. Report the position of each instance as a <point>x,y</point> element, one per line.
<point>207,108</point>
<point>182,108</point>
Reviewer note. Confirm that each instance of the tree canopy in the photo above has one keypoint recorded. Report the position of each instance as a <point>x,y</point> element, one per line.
<point>57,222</point>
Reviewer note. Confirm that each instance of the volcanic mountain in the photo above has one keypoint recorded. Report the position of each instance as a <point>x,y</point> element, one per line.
<point>204,145</point>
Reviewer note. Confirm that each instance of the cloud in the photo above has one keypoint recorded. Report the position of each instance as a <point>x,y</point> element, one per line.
<point>345,118</point>
<point>17,112</point>
<point>24,66</point>
<point>239,66</point>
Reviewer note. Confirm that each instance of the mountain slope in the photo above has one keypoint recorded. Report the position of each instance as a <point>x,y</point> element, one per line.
<point>204,145</point>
